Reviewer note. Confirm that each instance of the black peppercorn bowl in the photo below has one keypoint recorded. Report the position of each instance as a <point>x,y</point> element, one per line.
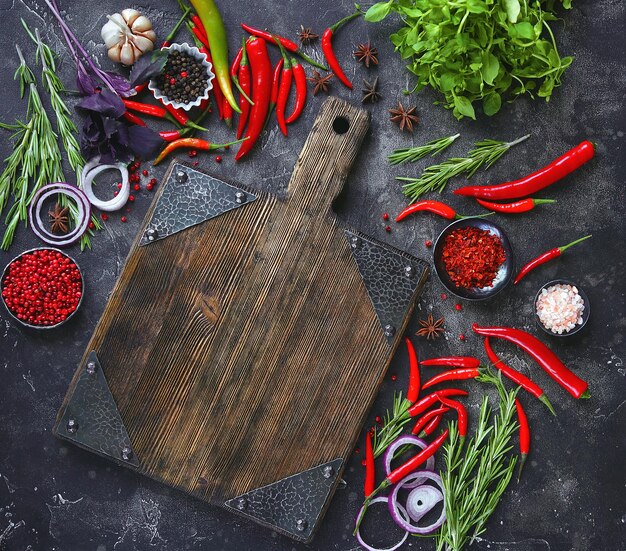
<point>40,327</point>
<point>191,51</point>
<point>505,272</point>
<point>585,314</point>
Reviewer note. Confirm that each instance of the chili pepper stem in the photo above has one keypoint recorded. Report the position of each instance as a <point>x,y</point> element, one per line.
<point>310,60</point>
<point>565,247</point>
<point>238,86</point>
<point>585,395</point>
<point>186,12</point>
<point>544,399</point>
<point>521,465</point>
<point>463,217</point>
<point>544,202</point>
<point>343,21</point>
<point>384,484</point>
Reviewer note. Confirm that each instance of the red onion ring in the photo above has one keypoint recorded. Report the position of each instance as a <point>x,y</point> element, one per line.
<point>402,441</point>
<point>421,500</point>
<point>401,511</point>
<point>113,204</point>
<point>396,513</point>
<point>74,194</point>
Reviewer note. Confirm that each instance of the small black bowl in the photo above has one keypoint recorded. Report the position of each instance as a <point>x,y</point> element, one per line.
<point>504,275</point>
<point>586,311</point>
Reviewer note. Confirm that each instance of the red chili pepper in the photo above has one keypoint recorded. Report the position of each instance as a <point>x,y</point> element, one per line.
<point>193,143</point>
<point>182,118</point>
<point>227,112</point>
<point>133,119</point>
<point>435,207</point>
<point>283,91</point>
<point>246,85</point>
<point>460,374</point>
<point>146,109</point>
<point>517,377</point>
<point>199,35</point>
<point>197,22</point>
<point>407,468</point>
<point>545,257</point>
<point>524,436</point>
<point>427,418</point>
<point>461,413</point>
<point>536,181</point>
<point>170,135</point>
<point>454,361</point>
<point>370,472</point>
<point>547,359</point>
<point>427,401</point>
<point>299,77</point>
<point>236,64</point>
<point>261,69</point>
<point>141,87</point>
<point>414,373</point>
<point>432,426</point>
<point>517,207</point>
<point>286,43</point>
<point>329,54</point>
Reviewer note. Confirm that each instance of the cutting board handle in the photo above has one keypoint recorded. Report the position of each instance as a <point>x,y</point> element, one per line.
<point>327,156</point>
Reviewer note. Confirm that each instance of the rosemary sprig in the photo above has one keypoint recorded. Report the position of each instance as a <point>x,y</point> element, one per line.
<point>65,126</point>
<point>435,177</point>
<point>36,155</point>
<point>475,480</point>
<point>392,426</point>
<point>412,154</point>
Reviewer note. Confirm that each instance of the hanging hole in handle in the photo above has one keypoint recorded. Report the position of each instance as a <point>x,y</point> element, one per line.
<point>341,125</point>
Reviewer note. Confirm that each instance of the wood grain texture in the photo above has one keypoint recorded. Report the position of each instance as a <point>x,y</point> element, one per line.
<point>245,349</point>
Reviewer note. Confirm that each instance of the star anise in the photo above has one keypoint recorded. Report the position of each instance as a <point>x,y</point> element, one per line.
<point>431,328</point>
<point>404,116</point>
<point>306,35</point>
<point>320,83</point>
<point>59,219</point>
<point>366,54</point>
<point>370,91</point>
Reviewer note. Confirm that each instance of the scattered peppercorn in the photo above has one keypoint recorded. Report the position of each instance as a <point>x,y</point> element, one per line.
<point>123,219</point>
<point>458,307</point>
<point>104,216</point>
<point>218,159</point>
<point>444,296</point>
<point>462,337</point>
<point>428,243</point>
<point>387,228</point>
<point>119,185</point>
<point>91,225</point>
<point>131,198</point>
<point>378,419</point>
<point>394,377</point>
<point>42,287</point>
<point>149,187</point>
<point>195,163</point>
<point>144,172</point>
<point>363,462</point>
<point>137,187</point>
<point>386,216</point>
<point>193,153</point>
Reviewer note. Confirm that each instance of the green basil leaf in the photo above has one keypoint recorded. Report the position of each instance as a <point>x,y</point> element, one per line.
<point>512,8</point>
<point>525,30</point>
<point>491,67</point>
<point>492,104</point>
<point>378,11</point>
<point>464,107</point>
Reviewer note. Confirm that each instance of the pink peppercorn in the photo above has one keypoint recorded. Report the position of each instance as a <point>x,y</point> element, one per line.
<point>218,159</point>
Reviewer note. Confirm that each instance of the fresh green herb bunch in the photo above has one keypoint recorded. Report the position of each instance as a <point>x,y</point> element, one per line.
<point>477,474</point>
<point>478,50</point>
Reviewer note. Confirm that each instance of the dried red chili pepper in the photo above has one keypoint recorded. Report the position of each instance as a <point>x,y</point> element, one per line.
<point>548,175</point>
<point>414,373</point>
<point>517,377</point>
<point>299,77</point>
<point>370,472</point>
<point>193,143</point>
<point>461,414</point>
<point>327,48</point>
<point>261,69</point>
<point>472,257</point>
<point>545,257</point>
<point>524,436</point>
<point>546,359</point>
<point>425,419</point>
<point>460,374</point>
<point>430,399</point>
<point>517,207</point>
<point>453,361</point>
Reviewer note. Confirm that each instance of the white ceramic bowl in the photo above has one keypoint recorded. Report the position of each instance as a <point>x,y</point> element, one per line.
<point>193,52</point>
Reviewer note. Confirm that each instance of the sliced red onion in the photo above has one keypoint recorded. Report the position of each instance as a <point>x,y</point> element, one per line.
<point>422,500</point>
<point>82,205</point>
<point>411,441</point>
<point>401,511</point>
<point>89,166</point>
<point>396,511</point>
<point>119,200</point>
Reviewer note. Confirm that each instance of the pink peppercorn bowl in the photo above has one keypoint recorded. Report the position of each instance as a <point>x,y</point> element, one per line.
<point>30,325</point>
<point>585,314</point>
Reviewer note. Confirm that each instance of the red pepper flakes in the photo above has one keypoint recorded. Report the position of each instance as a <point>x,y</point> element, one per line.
<point>428,243</point>
<point>458,307</point>
<point>386,216</point>
<point>472,257</point>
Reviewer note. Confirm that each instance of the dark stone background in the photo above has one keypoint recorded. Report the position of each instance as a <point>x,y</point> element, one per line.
<point>54,496</point>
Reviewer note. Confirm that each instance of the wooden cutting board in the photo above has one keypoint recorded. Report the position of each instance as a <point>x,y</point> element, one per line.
<point>246,338</point>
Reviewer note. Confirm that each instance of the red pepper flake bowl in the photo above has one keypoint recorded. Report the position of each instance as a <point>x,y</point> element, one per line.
<point>42,288</point>
<point>502,276</point>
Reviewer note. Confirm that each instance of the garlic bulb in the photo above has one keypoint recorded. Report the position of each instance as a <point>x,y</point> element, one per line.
<point>127,36</point>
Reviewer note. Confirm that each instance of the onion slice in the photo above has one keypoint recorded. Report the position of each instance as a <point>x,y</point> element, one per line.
<point>422,500</point>
<point>396,509</point>
<point>411,441</point>
<point>119,200</point>
<point>401,511</point>
<point>82,206</point>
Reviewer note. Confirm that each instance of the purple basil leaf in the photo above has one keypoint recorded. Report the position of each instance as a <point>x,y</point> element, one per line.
<point>84,81</point>
<point>120,84</point>
<point>144,142</point>
<point>147,67</point>
<point>104,102</point>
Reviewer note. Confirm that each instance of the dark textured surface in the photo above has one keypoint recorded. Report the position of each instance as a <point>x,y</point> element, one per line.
<point>54,496</point>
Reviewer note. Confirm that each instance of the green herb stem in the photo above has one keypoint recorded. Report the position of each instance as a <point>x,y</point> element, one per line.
<point>412,154</point>
<point>435,177</point>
